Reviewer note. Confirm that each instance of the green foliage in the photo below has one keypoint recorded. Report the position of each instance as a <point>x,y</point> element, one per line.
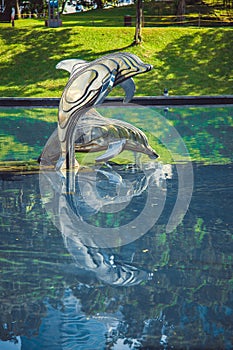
<point>199,231</point>
<point>206,133</point>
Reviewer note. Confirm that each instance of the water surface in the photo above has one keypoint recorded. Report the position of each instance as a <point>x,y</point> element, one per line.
<point>164,290</point>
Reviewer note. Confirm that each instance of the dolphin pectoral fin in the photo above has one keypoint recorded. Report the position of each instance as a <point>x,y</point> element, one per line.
<point>129,88</point>
<point>69,64</point>
<point>113,150</point>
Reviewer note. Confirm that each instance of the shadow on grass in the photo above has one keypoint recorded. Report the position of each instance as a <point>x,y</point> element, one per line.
<point>41,47</point>
<point>36,61</point>
<point>197,62</point>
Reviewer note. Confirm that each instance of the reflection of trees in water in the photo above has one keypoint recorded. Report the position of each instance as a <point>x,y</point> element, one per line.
<point>205,131</point>
<point>191,286</point>
<point>19,142</point>
<point>20,318</point>
<point>27,267</point>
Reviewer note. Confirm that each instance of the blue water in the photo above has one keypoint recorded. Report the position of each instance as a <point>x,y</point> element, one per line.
<point>64,287</point>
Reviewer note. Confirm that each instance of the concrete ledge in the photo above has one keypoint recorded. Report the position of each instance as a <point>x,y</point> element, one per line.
<point>46,102</point>
<point>28,102</point>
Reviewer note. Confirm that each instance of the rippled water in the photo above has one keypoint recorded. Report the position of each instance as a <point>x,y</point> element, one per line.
<point>163,290</point>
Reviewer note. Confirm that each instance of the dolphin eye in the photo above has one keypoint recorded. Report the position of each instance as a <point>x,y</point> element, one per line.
<point>80,140</point>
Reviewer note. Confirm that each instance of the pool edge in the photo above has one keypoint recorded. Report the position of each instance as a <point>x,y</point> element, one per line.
<point>52,102</point>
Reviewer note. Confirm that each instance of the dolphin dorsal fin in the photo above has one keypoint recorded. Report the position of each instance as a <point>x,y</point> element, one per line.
<point>114,148</point>
<point>72,64</point>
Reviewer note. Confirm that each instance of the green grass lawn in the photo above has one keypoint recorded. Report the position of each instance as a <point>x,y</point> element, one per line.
<point>186,60</point>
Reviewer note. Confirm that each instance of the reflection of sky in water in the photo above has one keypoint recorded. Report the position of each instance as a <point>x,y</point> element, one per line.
<point>68,327</point>
<point>161,290</point>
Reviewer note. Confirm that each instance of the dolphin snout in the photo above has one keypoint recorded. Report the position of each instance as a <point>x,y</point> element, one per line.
<point>153,155</point>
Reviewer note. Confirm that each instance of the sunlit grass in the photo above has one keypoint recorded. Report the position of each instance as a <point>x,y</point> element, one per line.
<point>187,61</point>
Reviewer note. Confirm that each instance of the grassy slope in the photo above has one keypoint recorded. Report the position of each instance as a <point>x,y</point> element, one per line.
<point>189,61</point>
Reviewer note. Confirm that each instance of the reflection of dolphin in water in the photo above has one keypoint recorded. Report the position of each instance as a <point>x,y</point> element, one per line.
<point>88,85</point>
<point>82,246</point>
<point>110,190</point>
<point>90,245</point>
<point>102,264</point>
<point>95,133</point>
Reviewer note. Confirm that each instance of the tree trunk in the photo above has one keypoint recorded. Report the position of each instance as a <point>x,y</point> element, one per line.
<point>17,11</point>
<point>138,29</point>
<point>181,9</point>
<point>63,4</point>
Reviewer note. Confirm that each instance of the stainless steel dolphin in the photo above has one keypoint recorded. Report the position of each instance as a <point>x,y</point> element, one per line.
<point>95,133</point>
<point>98,133</point>
<point>88,85</point>
<point>72,66</point>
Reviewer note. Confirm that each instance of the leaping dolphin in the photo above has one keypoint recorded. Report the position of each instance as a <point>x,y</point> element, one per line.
<point>89,83</point>
<point>73,65</point>
<point>95,133</point>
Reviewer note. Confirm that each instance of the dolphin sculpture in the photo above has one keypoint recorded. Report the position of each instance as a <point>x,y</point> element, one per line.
<point>90,131</point>
<point>88,85</point>
<point>95,133</point>
<point>99,133</point>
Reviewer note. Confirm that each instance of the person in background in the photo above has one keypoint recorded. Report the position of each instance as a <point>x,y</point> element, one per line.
<point>13,16</point>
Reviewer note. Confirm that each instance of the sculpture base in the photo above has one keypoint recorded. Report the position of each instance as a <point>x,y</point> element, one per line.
<point>53,23</point>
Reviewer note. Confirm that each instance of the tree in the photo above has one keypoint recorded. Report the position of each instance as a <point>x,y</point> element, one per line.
<point>63,4</point>
<point>17,11</point>
<point>138,29</point>
<point>99,3</point>
<point>30,6</point>
<point>180,8</point>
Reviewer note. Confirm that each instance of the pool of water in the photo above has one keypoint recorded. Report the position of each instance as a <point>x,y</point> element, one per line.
<point>69,277</point>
